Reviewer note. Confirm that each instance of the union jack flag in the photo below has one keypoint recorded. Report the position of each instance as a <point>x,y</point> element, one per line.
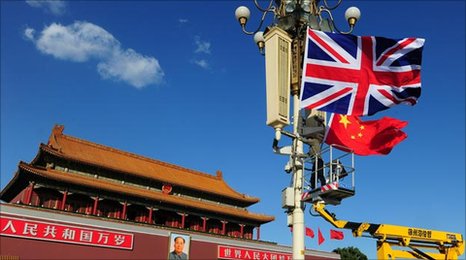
<point>359,75</point>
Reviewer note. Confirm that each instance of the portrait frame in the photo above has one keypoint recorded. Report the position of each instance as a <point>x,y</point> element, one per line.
<point>171,243</point>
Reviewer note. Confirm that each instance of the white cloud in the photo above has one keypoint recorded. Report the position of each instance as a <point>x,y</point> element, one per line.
<point>83,41</point>
<point>202,63</point>
<point>56,7</point>
<point>77,42</point>
<point>133,68</point>
<point>182,21</point>
<point>201,46</point>
<point>29,33</point>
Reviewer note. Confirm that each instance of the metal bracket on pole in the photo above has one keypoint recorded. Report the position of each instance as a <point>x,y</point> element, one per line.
<point>288,150</point>
<point>285,150</point>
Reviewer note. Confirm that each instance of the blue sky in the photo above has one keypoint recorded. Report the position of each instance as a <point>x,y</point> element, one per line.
<point>180,82</point>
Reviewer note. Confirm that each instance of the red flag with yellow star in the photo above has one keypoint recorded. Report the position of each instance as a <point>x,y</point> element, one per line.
<point>365,137</point>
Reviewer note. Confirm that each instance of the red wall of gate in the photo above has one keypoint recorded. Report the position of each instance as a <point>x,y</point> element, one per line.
<point>145,247</point>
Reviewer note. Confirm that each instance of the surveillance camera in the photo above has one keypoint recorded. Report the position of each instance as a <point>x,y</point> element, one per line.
<point>288,167</point>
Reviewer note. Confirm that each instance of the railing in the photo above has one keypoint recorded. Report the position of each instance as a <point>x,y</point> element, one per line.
<point>335,164</point>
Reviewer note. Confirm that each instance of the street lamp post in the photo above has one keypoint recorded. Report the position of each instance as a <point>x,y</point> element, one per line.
<point>292,17</point>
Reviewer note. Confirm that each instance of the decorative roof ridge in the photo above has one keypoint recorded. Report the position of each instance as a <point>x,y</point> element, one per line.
<point>34,168</point>
<point>56,131</point>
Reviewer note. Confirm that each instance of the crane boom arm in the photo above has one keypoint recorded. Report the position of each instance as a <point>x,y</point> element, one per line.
<point>450,245</point>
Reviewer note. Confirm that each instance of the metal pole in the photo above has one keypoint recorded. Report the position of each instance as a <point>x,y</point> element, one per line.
<point>298,213</point>
<point>294,21</point>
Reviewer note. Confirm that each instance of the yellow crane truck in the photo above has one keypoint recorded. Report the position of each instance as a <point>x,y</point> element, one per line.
<point>410,242</point>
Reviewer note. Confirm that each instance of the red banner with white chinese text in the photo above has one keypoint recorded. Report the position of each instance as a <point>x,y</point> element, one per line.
<point>228,252</point>
<point>40,230</point>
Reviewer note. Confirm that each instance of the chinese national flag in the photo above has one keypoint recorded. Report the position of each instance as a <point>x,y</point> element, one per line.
<point>321,237</point>
<point>338,235</point>
<point>365,137</point>
<point>309,232</point>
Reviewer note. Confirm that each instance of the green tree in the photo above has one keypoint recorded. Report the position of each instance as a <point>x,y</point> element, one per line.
<point>350,253</point>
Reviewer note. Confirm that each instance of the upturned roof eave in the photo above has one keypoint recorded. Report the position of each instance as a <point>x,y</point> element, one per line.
<point>9,186</point>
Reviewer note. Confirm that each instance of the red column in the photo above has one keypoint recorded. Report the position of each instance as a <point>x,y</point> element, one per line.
<point>123,214</point>
<point>258,232</point>
<point>204,224</point>
<point>149,220</point>
<point>29,191</point>
<point>224,227</point>
<point>183,218</point>
<point>63,200</point>
<point>96,202</point>
<point>241,226</point>
<point>26,195</point>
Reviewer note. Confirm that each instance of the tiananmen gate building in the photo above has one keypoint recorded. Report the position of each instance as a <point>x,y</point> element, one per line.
<point>81,200</point>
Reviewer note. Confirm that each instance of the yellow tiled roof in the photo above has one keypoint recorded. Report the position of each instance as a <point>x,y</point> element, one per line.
<point>121,161</point>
